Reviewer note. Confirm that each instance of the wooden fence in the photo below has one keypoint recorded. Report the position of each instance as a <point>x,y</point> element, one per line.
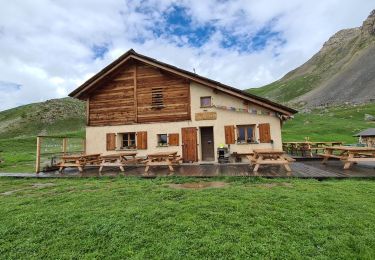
<point>49,149</point>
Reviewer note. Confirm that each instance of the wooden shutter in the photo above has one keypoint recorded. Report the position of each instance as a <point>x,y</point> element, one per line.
<point>229,134</point>
<point>111,141</point>
<point>173,139</point>
<point>142,140</point>
<point>264,133</point>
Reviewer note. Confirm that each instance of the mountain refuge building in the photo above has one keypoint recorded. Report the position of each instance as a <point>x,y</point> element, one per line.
<point>140,104</point>
<point>367,137</point>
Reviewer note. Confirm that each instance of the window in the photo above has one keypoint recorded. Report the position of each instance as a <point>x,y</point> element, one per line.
<point>206,102</point>
<point>162,139</point>
<point>157,98</point>
<point>245,133</point>
<point>128,141</point>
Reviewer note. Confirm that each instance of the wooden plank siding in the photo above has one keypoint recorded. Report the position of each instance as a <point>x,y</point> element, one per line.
<point>175,98</point>
<point>126,97</point>
<point>112,103</point>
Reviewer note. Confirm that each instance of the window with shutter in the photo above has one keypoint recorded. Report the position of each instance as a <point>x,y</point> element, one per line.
<point>229,134</point>
<point>264,133</point>
<point>173,139</point>
<point>111,141</point>
<point>245,134</point>
<point>142,140</point>
<point>128,140</point>
<point>162,139</point>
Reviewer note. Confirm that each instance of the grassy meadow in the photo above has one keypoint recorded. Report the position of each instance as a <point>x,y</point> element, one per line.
<point>338,123</point>
<point>142,219</point>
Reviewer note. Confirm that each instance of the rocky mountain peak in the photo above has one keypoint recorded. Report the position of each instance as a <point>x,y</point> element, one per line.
<point>368,26</point>
<point>341,37</point>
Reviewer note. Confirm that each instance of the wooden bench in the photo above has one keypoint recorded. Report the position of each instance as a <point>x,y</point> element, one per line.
<point>349,154</point>
<point>118,160</point>
<point>306,148</point>
<point>269,157</point>
<point>237,156</point>
<point>79,161</point>
<point>175,159</point>
<point>161,159</point>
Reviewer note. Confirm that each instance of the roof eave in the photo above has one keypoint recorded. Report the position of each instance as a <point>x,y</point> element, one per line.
<point>79,92</point>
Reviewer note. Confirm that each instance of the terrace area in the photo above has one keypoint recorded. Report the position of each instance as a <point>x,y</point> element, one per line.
<point>300,169</point>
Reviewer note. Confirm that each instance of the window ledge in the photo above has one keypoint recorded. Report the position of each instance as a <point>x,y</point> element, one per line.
<point>126,149</point>
<point>247,143</point>
<point>162,146</point>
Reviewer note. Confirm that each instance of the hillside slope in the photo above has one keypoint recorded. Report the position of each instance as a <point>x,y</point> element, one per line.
<point>336,123</point>
<point>50,117</point>
<point>342,71</point>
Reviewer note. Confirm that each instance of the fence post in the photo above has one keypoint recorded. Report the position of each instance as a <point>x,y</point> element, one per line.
<point>65,141</point>
<point>37,162</point>
<point>84,145</point>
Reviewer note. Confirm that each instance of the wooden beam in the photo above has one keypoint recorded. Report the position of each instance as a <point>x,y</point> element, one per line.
<point>88,111</point>
<point>64,145</point>
<point>189,95</point>
<point>37,162</point>
<point>84,145</point>
<point>135,94</point>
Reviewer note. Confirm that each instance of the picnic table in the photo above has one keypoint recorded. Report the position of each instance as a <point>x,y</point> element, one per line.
<point>349,154</point>
<point>307,147</point>
<point>79,161</point>
<point>118,160</point>
<point>162,158</point>
<point>238,156</point>
<point>269,157</point>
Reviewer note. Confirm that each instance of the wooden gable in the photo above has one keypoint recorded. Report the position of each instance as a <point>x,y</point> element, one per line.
<point>139,93</point>
<point>161,96</point>
<point>83,92</point>
<point>112,103</point>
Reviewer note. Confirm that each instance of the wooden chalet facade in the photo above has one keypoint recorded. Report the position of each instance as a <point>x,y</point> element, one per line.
<point>140,104</point>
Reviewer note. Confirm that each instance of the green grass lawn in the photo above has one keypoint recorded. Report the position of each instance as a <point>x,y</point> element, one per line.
<point>19,153</point>
<point>139,218</point>
<point>333,124</point>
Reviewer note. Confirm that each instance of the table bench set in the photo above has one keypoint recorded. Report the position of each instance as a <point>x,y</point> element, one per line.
<point>269,157</point>
<point>347,154</point>
<point>119,160</point>
<point>307,148</point>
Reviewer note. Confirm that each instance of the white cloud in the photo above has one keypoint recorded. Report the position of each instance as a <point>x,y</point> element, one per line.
<point>46,46</point>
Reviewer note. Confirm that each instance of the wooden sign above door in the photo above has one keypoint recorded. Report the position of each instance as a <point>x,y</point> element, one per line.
<point>205,116</point>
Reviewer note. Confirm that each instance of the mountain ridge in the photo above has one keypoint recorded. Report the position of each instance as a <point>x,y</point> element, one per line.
<point>342,71</point>
<point>50,117</point>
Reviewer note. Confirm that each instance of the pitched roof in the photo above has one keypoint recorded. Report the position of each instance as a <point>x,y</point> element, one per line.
<point>131,54</point>
<point>367,132</point>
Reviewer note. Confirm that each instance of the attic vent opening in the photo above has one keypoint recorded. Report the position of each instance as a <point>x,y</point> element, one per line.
<point>157,98</point>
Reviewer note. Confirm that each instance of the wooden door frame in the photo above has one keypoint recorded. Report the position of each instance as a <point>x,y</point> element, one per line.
<point>201,143</point>
<point>196,145</point>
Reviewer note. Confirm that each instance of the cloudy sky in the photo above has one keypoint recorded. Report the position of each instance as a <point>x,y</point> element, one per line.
<point>49,47</point>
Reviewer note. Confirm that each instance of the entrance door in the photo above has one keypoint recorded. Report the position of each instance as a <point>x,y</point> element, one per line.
<point>207,143</point>
<point>189,144</point>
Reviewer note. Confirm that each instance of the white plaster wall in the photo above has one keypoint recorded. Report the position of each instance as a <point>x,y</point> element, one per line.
<point>96,136</point>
